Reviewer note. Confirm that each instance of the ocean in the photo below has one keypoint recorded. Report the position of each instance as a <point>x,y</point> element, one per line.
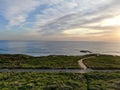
<point>43,48</point>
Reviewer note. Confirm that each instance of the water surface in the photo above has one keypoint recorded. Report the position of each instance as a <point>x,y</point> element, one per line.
<point>40,48</point>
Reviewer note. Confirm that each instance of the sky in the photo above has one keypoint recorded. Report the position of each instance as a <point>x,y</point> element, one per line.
<point>62,20</point>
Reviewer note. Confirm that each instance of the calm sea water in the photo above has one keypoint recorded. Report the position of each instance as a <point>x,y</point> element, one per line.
<point>42,48</point>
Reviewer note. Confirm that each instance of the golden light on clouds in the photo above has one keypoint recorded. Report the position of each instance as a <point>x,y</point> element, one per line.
<point>115,21</point>
<point>63,20</point>
<point>80,31</point>
<point>117,34</point>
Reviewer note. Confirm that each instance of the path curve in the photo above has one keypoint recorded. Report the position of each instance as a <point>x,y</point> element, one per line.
<point>82,65</point>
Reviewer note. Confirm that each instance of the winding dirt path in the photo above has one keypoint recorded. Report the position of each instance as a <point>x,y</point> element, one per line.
<point>82,65</point>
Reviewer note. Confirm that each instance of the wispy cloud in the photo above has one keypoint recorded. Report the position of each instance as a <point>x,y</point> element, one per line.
<point>16,11</point>
<point>76,15</point>
<point>58,18</point>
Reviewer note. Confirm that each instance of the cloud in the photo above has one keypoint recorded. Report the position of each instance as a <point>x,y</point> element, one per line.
<point>17,20</point>
<point>67,15</point>
<point>16,11</point>
<point>58,18</point>
<point>81,31</point>
<point>72,21</point>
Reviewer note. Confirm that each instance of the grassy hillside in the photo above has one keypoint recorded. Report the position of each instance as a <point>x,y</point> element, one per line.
<point>59,61</point>
<point>25,61</point>
<point>103,62</point>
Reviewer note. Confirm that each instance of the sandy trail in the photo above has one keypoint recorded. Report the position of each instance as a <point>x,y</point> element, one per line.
<point>82,65</point>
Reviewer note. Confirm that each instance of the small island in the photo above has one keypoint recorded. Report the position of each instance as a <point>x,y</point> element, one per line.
<point>85,51</point>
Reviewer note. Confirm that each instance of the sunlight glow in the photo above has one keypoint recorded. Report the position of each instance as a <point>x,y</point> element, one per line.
<point>117,33</point>
<point>80,31</point>
<point>115,21</point>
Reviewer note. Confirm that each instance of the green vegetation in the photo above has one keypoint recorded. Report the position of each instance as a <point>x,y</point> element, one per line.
<point>60,81</point>
<point>42,81</point>
<point>103,62</point>
<point>25,61</point>
<point>59,61</point>
<point>103,81</point>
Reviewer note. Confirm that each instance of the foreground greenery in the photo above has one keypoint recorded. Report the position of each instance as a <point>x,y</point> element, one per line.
<point>103,81</point>
<point>60,81</point>
<point>42,81</point>
<point>103,62</point>
<point>25,61</point>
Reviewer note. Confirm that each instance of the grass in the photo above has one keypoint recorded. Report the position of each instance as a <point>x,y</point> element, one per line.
<point>25,61</point>
<point>103,62</point>
<point>42,81</point>
<point>103,81</point>
<point>58,62</point>
<point>60,81</point>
